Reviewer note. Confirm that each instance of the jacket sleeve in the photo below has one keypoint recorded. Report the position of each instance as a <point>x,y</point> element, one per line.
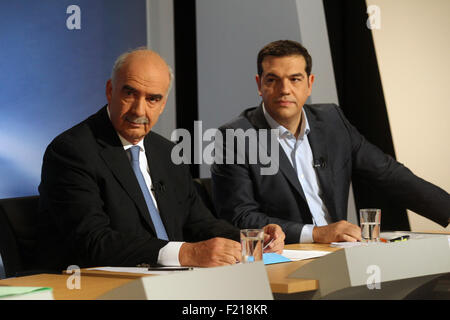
<point>396,180</point>
<point>74,218</point>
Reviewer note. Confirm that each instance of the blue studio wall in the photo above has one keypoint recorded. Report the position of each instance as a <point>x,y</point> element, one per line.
<point>54,63</point>
<point>55,58</point>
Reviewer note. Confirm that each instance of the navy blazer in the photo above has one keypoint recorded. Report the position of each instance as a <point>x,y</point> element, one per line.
<point>92,211</point>
<point>248,199</point>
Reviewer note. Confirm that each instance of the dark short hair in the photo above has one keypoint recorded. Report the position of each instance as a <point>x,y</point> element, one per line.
<point>284,48</point>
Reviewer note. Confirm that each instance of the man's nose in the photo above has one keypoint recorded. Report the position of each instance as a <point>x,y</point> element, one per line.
<point>285,87</point>
<point>138,107</point>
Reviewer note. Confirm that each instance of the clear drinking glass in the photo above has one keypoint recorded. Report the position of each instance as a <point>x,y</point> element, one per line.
<point>252,245</point>
<point>369,220</point>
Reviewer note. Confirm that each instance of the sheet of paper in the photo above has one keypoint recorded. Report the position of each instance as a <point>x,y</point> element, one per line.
<point>132,270</point>
<point>346,244</point>
<point>296,255</point>
<point>412,235</point>
<point>268,258</point>
<point>388,236</point>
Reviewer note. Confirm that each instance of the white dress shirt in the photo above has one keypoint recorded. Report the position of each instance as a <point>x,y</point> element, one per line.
<point>300,155</point>
<point>168,255</point>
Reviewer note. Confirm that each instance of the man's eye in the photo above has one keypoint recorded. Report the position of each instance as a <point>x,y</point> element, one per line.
<point>129,93</point>
<point>154,99</point>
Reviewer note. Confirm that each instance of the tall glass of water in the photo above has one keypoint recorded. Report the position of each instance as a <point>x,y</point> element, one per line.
<point>370,220</point>
<point>252,245</point>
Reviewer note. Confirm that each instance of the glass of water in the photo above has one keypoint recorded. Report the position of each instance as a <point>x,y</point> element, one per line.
<point>369,220</point>
<point>252,245</point>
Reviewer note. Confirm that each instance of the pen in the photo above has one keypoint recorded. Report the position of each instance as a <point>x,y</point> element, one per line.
<point>264,248</point>
<point>401,238</point>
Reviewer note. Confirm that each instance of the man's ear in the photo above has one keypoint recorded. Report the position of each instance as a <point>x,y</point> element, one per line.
<point>258,83</point>
<point>310,83</point>
<point>108,90</point>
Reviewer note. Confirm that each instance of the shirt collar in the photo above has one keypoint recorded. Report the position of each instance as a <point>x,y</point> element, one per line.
<point>127,144</point>
<point>304,129</point>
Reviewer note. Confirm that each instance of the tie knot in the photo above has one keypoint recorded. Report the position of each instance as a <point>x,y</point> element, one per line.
<point>134,150</point>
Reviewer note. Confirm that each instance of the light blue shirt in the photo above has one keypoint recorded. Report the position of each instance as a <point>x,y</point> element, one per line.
<point>300,155</point>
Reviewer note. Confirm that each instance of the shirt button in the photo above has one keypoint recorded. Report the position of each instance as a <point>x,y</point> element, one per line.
<point>302,176</point>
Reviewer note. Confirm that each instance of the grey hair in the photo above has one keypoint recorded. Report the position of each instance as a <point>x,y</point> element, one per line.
<point>123,57</point>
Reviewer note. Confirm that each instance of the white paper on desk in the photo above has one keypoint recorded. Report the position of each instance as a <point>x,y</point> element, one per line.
<point>133,270</point>
<point>346,244</point>
<point>412,235</point>
<point>296,255</point>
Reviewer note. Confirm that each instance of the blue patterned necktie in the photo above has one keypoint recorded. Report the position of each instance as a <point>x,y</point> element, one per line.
<point>154,214</point>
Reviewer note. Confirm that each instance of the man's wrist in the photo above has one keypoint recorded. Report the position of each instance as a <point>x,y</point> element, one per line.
<point>185,254</point>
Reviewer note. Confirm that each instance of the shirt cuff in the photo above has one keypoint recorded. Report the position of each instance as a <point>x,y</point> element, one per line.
<point>306,236</point>
<point>168,255</point>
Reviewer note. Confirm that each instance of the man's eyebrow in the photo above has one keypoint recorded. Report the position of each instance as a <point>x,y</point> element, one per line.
<point>128,88</point>
<point>270,74</point>
<point>291,75</point>
<point>301,75</point>
<point>154,95</point>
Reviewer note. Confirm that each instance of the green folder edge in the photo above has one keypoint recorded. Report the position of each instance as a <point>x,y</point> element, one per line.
<point>8,291</point>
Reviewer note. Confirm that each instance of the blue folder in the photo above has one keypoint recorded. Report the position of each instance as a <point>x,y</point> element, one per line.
<point>271,258</point>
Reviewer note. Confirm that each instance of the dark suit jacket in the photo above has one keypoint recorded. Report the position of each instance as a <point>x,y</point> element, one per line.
<point>92,210</point>
<point>248,199</point>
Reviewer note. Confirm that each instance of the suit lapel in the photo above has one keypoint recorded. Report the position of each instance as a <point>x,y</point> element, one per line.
<point>257,118</point>
<point>317,138</point>
<point>117,161</point>
<point>289,172</point>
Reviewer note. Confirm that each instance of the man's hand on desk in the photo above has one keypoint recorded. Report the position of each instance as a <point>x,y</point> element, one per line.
<point>210,253</point>
<point>273,238</point>
<point>338,231</point>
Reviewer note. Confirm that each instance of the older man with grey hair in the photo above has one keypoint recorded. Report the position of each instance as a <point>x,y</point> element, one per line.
<point>110,194</point>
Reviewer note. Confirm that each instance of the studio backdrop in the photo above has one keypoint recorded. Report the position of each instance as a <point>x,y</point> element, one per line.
<point>55,58</point>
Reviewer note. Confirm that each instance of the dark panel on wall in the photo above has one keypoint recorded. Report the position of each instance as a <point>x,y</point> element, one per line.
<point>186,68</point>
<point>361,96</point>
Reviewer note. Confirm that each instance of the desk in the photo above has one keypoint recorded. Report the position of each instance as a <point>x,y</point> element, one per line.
<point>278,273</point>
<point>96,283</point>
